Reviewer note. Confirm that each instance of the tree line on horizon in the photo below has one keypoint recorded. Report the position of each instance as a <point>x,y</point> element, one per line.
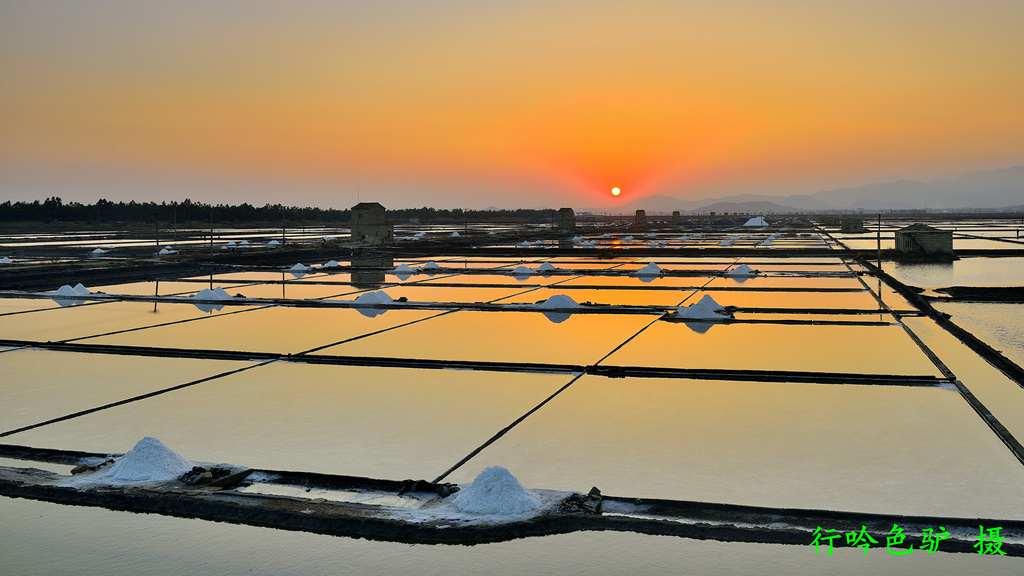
<point>55,210</point>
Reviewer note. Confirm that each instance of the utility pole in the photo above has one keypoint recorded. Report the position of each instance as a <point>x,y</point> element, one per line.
<point>879,241</point>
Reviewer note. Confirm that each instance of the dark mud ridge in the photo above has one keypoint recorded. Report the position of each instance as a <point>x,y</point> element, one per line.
<point>435,521</point>
<point>1009,294</point>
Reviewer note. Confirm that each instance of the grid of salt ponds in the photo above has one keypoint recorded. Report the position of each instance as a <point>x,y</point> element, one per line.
<point>865,448</point>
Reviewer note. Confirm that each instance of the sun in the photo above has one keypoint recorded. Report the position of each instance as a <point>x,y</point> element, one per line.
<point>616,191</point>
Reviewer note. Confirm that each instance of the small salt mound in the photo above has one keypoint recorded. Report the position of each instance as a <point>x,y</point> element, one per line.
<point>652,235</point>
<point>299,267</point>
<point>148,461</point>
<point>244,243</point>
<point>496,491</point>
<point>420,234</point>
<point>522,271</point>
<point>651,269</point>
<point>558,301</point>
<point>491,233</point>
<point>5,260</point>
<point>217,293</point>
<point>577,239</point>
<point>606,235</point>
<point>373,298</point>
<point>99,251</point>
<point>683,238</point>
<point>65,290</point>
<point>652,244</point>
<point>742,270</point>
<point>725,243</point>
<point>525,244</point>
<point>455,234</point>
<point>698,235</point>
<point>332,264</point>
<point>546,267</point>
<point>82,289</point>
<point>273,244</point>
<point>706,309</point>
<point>231,244</point>
<point>767,242</point>
<point>167,251</point>
<point>430,266</point>
<point>538,242</point>
<point>403,269</point>
<point>627,239</point>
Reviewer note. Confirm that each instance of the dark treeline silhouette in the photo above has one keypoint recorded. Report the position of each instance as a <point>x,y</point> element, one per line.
<point>54,210</point>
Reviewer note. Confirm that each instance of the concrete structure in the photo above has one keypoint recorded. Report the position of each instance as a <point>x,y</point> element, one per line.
<point>369,224</point>
<point>566,219</point>
<point>641,218</point>
<point>852,226</point>
<point>676,217</point>
<point>921,239</point>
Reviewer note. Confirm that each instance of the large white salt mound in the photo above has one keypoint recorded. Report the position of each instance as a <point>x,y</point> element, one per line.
<point>706,309</point>
<point>430,266</point>
<point>65,290</point>
<point>496,491</point>
<point>148,461</point>
<point>651,269</point>
<point>82,289</point>
<point>217,293</point>
<point>742,270</point>
<point>378,297</point>
<point>559,301</point>
<point>5,260</point>
<point>521,271</point>
<point>546,267</point>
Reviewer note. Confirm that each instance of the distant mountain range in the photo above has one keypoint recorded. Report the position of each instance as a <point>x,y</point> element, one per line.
<point>997,189</point>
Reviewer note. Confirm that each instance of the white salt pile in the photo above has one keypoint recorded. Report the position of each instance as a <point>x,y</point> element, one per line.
<point>66,290</point>
<point>652,244</point>
<point>606,235</point>
<point>546,267</point>
<point>148,461</point>
<point>724,243</point>
<point>627,239</point>
<point>5,260</point>
<point>403,269</point>
<point>767,242</point>
<point>243,244</point>
<point>373,298</point>
<point>430,266</point>
<point>698,235</point>
<point>166,250</point>
<point>98,252</point>
<point>82,290</point>
<point>683,238</point>
<point>217,293</point>
<point>651,269</point>
<point>491,233</point>
<point>273,244</point>
<point>299,267</point>
<point>706,309</point>
<point>652,235</point>
<point>538,242</point>
<point>577,239</point>
<point>558,301</point>
<point>231,244</point>
<point>742,270</point>
<point>420,234</point>
<point>522,271</point>
<point>496,491</point>
<point>525,244</point>
<point>455,234</point>
<point>332,264</point>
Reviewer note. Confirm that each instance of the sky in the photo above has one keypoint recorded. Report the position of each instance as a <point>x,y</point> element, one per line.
<point>508,104</point>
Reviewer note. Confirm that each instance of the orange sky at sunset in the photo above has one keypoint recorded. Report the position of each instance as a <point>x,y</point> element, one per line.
<point>510,104</point>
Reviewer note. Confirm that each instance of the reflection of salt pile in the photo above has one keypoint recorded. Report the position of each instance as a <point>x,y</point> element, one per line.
<point>742,271</point>
<point>496,491</point>
<point>148,461</point>
<point>706,309</point>
<point>651,269</point>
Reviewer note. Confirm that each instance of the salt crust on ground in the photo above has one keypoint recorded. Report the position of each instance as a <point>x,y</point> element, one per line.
<point>496,491</point>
